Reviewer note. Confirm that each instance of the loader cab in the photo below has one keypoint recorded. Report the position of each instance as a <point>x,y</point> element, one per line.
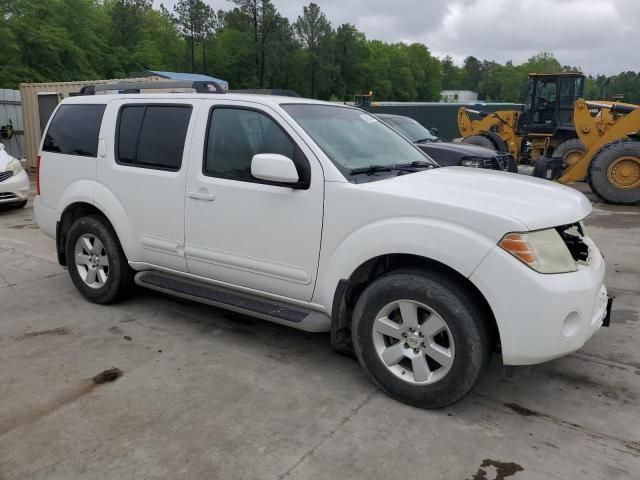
<point>548,104</point>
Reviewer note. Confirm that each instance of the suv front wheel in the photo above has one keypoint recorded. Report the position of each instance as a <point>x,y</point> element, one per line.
<point>420,337</point>
<point>97,264</point>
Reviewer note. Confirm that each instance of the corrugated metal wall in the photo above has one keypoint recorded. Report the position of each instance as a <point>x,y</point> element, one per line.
<point>11,114</point>
<point>30,110</point>
<point>443,116</point>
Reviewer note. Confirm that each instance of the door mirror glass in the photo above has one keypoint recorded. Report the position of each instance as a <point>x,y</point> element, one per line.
<point>274,167</point>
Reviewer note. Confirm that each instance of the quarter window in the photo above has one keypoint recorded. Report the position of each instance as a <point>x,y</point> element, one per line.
<point>152,136</point>
<point>74,130</point>
<point>236,135</point>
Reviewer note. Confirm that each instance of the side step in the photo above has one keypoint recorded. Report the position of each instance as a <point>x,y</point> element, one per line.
<point>273,311</point>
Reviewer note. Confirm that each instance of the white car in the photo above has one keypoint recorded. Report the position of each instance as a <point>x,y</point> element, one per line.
<point>14,181</point>
<point>321,217</point>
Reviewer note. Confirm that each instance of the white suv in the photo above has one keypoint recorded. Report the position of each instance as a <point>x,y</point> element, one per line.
<point>321,217</point>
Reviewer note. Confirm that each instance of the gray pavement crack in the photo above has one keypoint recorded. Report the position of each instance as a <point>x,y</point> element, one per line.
<point>632,447</point>
<point>330,434</point>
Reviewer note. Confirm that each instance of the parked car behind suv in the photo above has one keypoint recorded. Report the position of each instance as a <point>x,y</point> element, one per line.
<point>323,218</point>
<point>449,154</point>
<point>14,181</point>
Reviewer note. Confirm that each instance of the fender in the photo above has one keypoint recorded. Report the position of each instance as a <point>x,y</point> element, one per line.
<point>404,235</point>
<point>500,144</point>
<point>107,202</point>
<point>96,194</point>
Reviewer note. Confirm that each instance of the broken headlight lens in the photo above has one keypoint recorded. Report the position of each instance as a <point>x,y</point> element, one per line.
<point>472,162</point>
<point>543,250</point>
<point>14,166</point>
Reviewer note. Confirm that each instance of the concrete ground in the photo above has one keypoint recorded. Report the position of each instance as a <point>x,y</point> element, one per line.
<point>208,394</point>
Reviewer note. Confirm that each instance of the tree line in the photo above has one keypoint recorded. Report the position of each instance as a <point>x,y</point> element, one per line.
<point>251,46</point>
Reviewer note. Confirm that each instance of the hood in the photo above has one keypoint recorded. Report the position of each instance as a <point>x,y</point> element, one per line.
<point>461,148</point>
<point>515,201</point>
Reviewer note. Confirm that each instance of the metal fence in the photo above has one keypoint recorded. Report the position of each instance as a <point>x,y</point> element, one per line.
<point>11,123</point>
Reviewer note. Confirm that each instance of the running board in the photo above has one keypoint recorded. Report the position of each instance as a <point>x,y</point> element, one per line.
<point>273,311</point>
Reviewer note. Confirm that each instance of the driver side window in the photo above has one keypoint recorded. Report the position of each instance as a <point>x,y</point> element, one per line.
<point>235,135</point>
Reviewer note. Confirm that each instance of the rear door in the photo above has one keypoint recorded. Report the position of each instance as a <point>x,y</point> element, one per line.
<point>145,168</point>
<point>241,230</point>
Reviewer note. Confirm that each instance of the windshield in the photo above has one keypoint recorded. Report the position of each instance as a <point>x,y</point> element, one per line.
<point>410,128</point>
<point>354,139</point>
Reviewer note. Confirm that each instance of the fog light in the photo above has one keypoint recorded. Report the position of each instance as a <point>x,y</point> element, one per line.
<point>571,324</point>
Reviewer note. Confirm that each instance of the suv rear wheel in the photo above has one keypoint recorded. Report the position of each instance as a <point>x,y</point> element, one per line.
<point>420,338</point>
<point>97,264</point>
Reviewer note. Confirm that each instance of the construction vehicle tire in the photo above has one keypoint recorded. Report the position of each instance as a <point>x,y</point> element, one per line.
<point>479,140</point>
<point>614,173</point>
<point>570,151</point>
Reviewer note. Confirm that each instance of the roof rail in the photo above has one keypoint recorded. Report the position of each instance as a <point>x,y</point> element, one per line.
<point>200,86</point>
<point>268,91</point>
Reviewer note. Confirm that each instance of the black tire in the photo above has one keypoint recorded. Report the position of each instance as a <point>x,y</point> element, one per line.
<point>599,169</point>
<point>21,204</point>
<point>569,148</point>
<point>513,165</point>
<point>463,317</point>
<point>119,283</point>
<point>480,141</point>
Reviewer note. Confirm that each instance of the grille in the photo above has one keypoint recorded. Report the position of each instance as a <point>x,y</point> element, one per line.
<point>5,175</point>
<point>6,196</point>
<point>503,160</point>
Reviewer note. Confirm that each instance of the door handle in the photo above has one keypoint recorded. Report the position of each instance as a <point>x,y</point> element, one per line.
<point>209,197</point>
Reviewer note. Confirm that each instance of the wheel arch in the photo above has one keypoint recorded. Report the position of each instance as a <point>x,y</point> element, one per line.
<point>104,204</point>
<point>349,289</point>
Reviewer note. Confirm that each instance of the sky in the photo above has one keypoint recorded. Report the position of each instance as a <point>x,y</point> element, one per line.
<point>598,36</point>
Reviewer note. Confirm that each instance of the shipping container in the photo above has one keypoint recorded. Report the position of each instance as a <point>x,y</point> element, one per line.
<point>38,102</point>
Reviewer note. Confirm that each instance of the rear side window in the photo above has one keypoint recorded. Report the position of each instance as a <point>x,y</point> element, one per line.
<point>74,130</point>
<point>152,136</point>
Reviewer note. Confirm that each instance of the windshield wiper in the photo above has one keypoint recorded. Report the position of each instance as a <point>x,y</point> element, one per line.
<point>428,139</point>
<point>416,164</point>
<point>406,167</point>
<point>372,169</point>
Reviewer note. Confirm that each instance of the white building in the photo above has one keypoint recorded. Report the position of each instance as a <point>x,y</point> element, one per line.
<point>458,96</point>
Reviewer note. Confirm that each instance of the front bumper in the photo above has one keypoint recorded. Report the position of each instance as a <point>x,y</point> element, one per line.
<point>542,317</point>
<point>14,189</point>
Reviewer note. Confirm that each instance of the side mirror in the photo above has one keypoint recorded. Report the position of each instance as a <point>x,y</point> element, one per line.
<point>434,131</point>
<point>274,168</point>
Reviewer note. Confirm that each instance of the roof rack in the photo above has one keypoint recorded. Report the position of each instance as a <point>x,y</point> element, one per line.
<point>200,86</point>
<point>268,91</point>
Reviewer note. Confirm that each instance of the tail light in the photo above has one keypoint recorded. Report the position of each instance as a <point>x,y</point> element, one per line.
<point>38,174</point>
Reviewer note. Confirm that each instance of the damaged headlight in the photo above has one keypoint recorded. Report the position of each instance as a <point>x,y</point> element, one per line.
<point>472,162</point>
<point>14,166</point>
<point>544,251</point>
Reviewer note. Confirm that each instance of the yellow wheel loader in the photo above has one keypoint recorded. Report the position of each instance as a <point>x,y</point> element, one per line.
<point>567,138</point>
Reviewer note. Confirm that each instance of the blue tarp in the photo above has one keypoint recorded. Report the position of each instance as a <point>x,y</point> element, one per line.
<point>186,76</point>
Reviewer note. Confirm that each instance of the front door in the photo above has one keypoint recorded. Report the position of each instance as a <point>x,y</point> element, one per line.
<point>243,231</point>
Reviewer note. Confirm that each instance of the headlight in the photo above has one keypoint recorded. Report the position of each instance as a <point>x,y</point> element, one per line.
<point>472,162</point>
<point>543,250</point>
<point>14,166</point>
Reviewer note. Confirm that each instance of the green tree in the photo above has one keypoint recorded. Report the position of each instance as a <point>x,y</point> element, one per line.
<point>315,34</point>
<point>471,73</point>
<point>264,20</point>
<point>451,74</point>
<point>127,17</point>
<point>351,55</point>
<point>192,18</point>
